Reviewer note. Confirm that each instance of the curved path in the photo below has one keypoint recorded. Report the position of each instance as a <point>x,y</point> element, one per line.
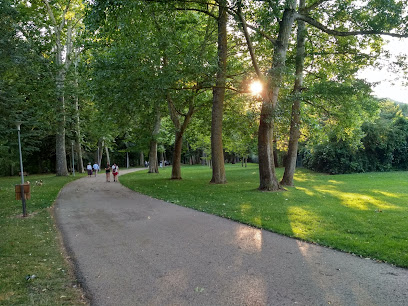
<point>130,249</point>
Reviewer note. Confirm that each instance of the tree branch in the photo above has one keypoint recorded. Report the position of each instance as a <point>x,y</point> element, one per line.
<point>173,112</point>
<point>260,32</point>
<point>196,10</point>
<point>63,15</point>
<point>68,59</point>
<point>50,13</point>
<point>248,40</point>
<point>313,6</point>
<point>325,29</point>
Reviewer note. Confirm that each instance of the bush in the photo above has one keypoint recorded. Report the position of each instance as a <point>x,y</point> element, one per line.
<point>385,148</point>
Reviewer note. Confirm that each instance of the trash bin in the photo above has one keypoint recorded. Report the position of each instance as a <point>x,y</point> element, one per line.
<point>27,191</point>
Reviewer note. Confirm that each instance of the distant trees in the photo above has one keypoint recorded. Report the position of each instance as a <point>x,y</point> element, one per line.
<point>26,90</point>
<point>384,147</point>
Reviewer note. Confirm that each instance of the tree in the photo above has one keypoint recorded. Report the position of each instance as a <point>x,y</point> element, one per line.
<point>217,154</point>
<point>376,25</point>
<point>294,134</point>
<point>63,17</point>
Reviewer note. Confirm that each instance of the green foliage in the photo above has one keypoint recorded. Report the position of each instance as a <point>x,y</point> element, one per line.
<point>383,148</point>
<point>364,214</point>
<point>26,90</point>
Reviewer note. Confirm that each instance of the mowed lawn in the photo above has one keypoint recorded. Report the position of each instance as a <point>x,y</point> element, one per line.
<point>365,214</point>
<point>33,269</point>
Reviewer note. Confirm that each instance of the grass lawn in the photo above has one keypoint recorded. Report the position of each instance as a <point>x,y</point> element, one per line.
<point>33,270</point>
<point>365,214</point>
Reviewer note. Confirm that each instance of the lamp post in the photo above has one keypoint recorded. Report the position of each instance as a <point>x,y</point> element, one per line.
<point>73,158</point>
<point>18,124</point>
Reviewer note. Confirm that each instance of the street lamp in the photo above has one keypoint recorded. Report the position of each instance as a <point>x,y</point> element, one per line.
<point>73,158</point>
<point>18,124</point>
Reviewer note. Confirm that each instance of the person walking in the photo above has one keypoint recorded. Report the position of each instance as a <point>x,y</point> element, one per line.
<point>89,168</point>
<point>115,172</point>
<point>95,168</point>
<point>107,170</point>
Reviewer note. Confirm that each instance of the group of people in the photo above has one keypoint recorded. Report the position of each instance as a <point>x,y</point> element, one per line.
<point>108,168</point>
<point>94,169</point>
<point>115,172</point>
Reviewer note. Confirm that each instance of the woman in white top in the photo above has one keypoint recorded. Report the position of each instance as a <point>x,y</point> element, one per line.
<point>115,172</point>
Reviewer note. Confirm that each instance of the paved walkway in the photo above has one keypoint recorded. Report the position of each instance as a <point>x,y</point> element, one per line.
<point>130,249</point>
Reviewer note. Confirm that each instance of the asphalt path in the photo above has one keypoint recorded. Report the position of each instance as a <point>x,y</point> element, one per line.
<point>130,249</point>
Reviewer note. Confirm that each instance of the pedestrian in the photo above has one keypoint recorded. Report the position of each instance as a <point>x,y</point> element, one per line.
<point>95,168</point>
<point>115,172</point>
<point>89,168</point>
<point>107,169</point>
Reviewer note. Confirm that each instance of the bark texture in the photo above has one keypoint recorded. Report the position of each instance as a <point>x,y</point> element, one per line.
<point>267,175</point>
<point>153,160</point>
<point>290,164</point>
<point>180,129</point>
<point>218,168</point>
<point>60,149</point>
<point>107,155</point>
<point>62,68</point>
<point>141,162</point>
<point>100,152</point>
<point>78,138</point>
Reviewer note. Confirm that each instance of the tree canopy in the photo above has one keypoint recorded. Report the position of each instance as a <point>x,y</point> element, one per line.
<point>170,80</point>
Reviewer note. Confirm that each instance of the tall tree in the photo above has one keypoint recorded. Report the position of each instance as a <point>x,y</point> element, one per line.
<point>294,134</point>
<point>217,153</point>
<point>63,20</point>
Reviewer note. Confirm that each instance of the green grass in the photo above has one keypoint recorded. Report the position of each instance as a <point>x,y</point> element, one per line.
<point>31,246</point>
<point>365,214</point>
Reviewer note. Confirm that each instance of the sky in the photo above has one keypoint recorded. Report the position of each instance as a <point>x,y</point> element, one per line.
<point>391,85</point>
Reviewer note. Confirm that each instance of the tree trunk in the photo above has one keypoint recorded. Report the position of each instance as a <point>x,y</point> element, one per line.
<point>275,153</point>
<point>80,161</point>
<point>107,155</point>
<point>267,175</point>
<point>162,158</point>
<point>78,128</point>
<point>180,129</point>
<point>100,152</point>
<point>60,150</point>
<point>142,161</point>
<point>290,164</point>
<point>218,168</point>
<point>176,167</point>
<point>153,164</point>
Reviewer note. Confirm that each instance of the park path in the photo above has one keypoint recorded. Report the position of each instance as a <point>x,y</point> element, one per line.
<point>130,249</point>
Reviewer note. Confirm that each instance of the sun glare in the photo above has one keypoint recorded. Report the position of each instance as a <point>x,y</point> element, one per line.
<point>256,88</point>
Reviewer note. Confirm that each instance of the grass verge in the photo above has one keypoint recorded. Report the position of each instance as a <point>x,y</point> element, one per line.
<point>33,269</point>
<point>365,214</point>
